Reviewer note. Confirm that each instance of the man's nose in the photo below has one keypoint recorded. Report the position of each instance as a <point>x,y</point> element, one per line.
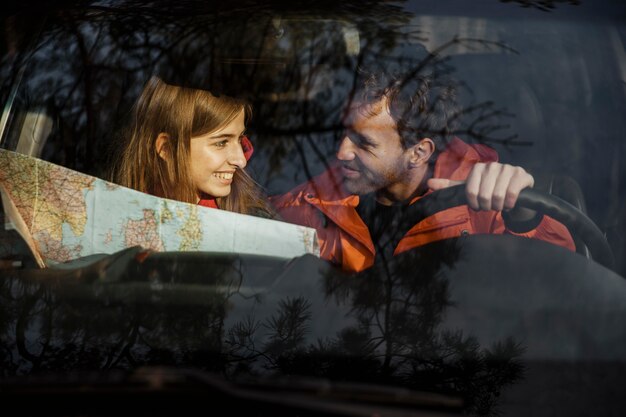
<point>346,149</point>
<point>236,157</point>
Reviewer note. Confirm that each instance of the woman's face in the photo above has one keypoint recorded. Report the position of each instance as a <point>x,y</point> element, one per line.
<point>216,156</point>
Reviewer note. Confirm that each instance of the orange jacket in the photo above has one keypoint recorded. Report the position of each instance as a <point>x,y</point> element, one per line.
<point>345,239</point>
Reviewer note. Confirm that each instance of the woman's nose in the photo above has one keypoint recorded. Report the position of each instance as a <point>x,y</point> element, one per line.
<point>237,157</point>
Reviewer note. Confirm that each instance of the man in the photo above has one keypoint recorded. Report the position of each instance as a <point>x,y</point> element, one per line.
<point>397,148</point>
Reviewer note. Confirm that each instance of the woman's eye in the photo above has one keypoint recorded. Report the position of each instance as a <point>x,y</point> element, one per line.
<point>221,144</point>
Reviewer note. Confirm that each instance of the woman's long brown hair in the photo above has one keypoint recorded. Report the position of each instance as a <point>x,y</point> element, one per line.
<point>181,113</point>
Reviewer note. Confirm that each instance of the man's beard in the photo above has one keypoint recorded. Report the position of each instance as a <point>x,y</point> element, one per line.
<point>367,182</point>
<point>358,186</point>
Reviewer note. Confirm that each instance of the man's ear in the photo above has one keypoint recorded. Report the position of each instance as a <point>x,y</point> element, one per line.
<point>421,152</point>
<point>163,146</point>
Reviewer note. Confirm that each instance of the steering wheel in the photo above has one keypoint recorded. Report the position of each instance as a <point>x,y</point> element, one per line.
<point>575,220</point>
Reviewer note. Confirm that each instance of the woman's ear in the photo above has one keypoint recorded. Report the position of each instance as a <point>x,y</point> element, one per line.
<point>163,146</point>
<point>421,152</point>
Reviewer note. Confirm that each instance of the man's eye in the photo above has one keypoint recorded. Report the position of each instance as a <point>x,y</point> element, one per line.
<point>360,141</point>
<point>357,139</point>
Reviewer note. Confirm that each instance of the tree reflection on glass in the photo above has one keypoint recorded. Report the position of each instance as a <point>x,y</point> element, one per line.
<point>299,71</point>
<point>387,326</point>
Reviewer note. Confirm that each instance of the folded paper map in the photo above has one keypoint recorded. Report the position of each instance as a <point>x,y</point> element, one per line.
<point>63,215</point>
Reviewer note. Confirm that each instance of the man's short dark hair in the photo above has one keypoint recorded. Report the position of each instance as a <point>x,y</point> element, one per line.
<point>422,105</point>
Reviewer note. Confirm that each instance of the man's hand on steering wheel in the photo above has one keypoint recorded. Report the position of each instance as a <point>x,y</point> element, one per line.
<point>493,186</point>
<point>484,188</point>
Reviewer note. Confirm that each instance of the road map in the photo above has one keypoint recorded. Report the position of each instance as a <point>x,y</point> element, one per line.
<point>63,215</point>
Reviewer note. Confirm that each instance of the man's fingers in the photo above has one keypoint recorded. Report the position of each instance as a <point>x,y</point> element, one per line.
<point>440,183</point>
<point>472,187</point>
<point>519,180</point>
<point>501,189</point>
<point>490,186</point>
<point>490,176</point>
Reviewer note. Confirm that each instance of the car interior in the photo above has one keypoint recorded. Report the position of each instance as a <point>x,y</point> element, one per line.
<point>289,72</point>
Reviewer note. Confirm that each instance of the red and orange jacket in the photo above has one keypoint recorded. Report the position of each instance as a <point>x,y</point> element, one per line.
<point>345,240</point>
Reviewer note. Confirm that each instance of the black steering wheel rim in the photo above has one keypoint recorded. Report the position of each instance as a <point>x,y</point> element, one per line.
<point>560,210</point>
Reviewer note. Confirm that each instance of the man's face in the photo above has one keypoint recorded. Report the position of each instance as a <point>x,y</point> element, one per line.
<point>372,157</point>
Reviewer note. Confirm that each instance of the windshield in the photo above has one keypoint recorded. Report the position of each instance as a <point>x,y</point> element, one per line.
<point>543,84</point>
<point>106,280</point>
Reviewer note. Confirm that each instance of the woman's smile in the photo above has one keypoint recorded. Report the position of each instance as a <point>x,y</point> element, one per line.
<point>224,177</point>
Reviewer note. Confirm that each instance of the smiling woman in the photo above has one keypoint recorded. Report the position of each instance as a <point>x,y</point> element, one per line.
<point>215,157</point>
<point>189,145</point>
